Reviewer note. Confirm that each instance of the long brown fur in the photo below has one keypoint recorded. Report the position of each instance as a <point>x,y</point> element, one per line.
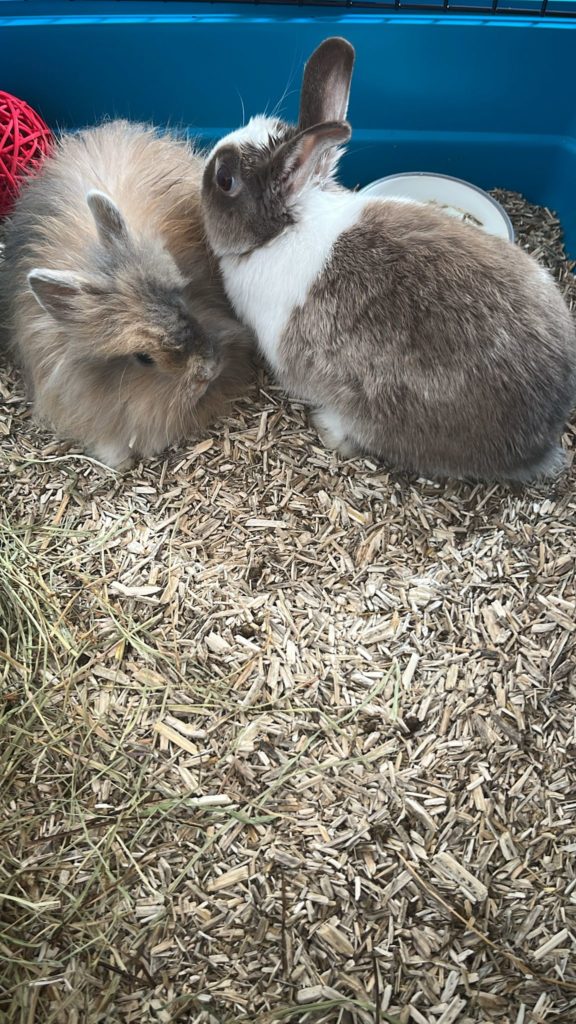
<point>82,368</point>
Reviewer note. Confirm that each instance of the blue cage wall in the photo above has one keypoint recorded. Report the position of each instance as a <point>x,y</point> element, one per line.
<point>488,96</point>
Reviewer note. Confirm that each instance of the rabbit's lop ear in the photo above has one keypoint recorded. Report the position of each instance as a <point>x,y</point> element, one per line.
<point>326,83</point>
<point>110,223</point>
<point>57,291</point>
<point>299,158</point>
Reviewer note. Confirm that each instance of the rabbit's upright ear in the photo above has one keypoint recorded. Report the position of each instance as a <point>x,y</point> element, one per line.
<point>57,291</point>
<point>297,161</point>
<point>326,83</point>
<point>110,223</point>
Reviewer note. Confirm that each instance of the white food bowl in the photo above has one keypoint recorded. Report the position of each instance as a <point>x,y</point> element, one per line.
<point>454,197</point>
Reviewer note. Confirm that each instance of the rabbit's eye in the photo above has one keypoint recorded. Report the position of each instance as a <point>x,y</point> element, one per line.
<point>225,179</point>
<point>145,359</point>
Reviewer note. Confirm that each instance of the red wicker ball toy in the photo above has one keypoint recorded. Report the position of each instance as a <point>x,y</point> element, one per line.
<point>24,142</point>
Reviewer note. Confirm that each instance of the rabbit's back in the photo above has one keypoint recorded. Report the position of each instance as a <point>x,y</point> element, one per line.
<point>441,295</point>
<point>445,346</point>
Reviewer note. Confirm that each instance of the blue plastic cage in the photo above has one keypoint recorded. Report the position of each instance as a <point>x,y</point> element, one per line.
<point>482,90</point>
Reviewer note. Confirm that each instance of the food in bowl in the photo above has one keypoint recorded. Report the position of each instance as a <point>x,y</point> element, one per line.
<point>456,198</point>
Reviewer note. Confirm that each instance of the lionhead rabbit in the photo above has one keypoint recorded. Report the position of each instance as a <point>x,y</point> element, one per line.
<point>414,336</point>
<point>115,306</point>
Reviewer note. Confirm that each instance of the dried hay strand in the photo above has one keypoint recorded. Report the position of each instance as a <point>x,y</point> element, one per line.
<point>284,738</point>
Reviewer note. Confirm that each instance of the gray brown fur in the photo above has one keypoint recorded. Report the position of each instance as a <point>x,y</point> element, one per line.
<point>440,348</point>
<point>474,371</point>
<point>146,284</point>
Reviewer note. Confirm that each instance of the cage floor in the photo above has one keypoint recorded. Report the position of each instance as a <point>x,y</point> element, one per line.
<point>284,738</point>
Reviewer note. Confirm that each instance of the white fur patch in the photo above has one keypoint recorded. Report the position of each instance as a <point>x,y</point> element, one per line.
<point>256,133</point>
<point>334,432</point>
<point>330,426</point>
<point>404,200</point>
<point>115,456</point>
<point>268,285</point>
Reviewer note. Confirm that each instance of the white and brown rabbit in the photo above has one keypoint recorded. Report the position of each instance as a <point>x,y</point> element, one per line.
<point>114,304</point>
<point>414,336</point>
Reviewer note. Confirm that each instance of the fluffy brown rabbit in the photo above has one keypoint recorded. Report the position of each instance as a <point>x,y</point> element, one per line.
<point>414,336</point>
<point>114,305</point>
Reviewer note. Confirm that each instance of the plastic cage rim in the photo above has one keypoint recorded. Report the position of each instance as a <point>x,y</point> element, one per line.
<point>561,9</point>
